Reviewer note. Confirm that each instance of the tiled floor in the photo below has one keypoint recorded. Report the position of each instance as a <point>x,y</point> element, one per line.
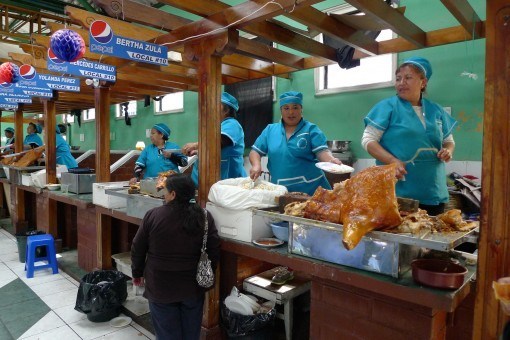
<point>43,307</point>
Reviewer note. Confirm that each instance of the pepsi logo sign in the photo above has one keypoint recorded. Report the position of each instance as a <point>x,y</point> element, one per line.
<point>53,57</point>
<point>27,72</point>
<point>101,32</point>
<point>6,84</point>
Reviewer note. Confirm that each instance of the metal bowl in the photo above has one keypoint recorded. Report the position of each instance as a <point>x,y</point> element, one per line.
<point>438,273</point>
<point>339,145</point>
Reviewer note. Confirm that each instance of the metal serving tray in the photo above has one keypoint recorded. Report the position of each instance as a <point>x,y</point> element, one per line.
<point>137,204</point>
<point>435,241</point>
<point>379,252</point>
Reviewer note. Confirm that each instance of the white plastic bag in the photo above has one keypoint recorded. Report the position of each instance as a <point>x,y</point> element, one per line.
<point>39,177</point>
<point>237,194</point>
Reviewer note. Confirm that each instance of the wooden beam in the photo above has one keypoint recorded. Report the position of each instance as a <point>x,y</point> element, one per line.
<point>50,140</point>
<point>323,23</point>
<point>466,16</point>
<point>267,30</point>
<point>392,19</point>
<point>102,105</point>
<point>494,242</point>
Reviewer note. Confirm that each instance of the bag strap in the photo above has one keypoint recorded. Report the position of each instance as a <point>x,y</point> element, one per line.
<point>204,244</point>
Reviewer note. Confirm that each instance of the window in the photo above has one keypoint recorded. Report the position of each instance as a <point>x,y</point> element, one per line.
<point>173,102</point>
<point>373,72</point>
<point>89,114</point>
<point>69,119</point>
<point>119,113</point>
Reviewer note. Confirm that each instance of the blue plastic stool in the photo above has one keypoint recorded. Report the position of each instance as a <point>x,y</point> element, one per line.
<point>35,241</point>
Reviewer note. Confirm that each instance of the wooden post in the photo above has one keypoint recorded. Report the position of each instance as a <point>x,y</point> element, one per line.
<point>104,241</point>
<point>51,159</point>
<point>50,140</point>
<point>208,52</point>
<point>102,104</point>
<point>494,243</point>
<point>18,218</point>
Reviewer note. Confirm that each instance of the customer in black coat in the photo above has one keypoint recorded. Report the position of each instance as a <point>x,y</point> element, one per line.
<point>165,254</point>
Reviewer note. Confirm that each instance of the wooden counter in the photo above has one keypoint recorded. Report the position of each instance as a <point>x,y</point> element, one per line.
<point>351,303</point>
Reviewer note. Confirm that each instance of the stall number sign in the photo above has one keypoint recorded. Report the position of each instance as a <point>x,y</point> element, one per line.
<point>46,82</point>
<point>23,89</point>
<point>9,106</point>
<point>13,98</point>
<point>82,68</point>
<point>103,41</point>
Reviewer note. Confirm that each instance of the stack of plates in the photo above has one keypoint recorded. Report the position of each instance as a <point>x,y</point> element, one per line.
<point>242,304</point>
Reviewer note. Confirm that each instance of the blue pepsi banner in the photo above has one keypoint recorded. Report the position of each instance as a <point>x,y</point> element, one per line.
<point>82,68</point>
<point>103,41</point>
<point>46,82</point>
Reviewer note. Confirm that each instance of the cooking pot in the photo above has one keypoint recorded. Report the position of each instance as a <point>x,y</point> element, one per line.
<point>339,145</point>
<point>438,273</point>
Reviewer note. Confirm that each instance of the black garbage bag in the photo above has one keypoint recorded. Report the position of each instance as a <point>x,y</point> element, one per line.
<point>21,239</point>
<point>238,325</point>
<point>101,294</point>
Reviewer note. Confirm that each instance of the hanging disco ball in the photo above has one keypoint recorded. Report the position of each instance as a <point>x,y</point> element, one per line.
<point>67,45</point>
<point>9,73</point>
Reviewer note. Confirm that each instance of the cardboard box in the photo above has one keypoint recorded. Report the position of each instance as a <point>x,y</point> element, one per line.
<point>241,225</point>
<point>108,201</point>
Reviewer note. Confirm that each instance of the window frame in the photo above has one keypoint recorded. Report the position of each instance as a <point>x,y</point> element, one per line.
<point>121,115</point>
<point>343,9</point>
<point>85,114</point>
<point>165,112</point>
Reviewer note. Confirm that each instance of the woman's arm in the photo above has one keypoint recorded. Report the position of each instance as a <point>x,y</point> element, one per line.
<point>378,152</point>
<point>256,167</point>
<point>446,153</point>
<point>139,248</point>
<point>327,156</point>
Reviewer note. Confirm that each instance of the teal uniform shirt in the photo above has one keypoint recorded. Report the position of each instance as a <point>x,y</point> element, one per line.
<point>232,161</point>
<point>403,134</point>
<point>9,141</point>
<point>63,153</point>
<point>155,162</point>
<point>33,138</point>
<point>291,163</point>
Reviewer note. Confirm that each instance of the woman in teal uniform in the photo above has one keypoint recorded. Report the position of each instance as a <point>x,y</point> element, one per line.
<point>9,134</point>
<point>292,146</point>
<point>156,157</point>
<point>32,139</point>
<point>232,142</point>
<point>63,153</point>
<point>398,126</point>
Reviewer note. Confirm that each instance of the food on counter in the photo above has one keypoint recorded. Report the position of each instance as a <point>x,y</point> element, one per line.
<point>450,221</point>
<point>369,202</point>
<point>295,209</point>
<point>290,197</point>
<point>363,203</point>
<point>162,176</point>
<point>134,189</point>
<point>325,205</point>
<point>30,157</point>
<point>502,292</point>
<point>249,185</point>
<point>8,160</point>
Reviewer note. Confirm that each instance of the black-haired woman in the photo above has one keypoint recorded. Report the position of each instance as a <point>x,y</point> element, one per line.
<point>165,254</point>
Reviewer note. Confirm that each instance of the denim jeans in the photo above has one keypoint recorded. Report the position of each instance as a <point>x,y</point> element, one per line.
<point>179,320</point>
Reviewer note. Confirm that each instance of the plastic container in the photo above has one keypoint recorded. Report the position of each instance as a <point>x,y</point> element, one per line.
<point>281,230</point>
<point>123,263</point>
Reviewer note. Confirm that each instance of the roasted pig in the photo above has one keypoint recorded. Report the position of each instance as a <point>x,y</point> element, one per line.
<point>369,202</point>
<point>325,205</point>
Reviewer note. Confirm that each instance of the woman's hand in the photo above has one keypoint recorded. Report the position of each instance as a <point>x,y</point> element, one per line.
<point>190,149</point>
<point>445,155</point>
<point>400,171</point>
<point>255,172</point>
<point>166,153</point>
<point>138,281</point>
<point>133,181</point>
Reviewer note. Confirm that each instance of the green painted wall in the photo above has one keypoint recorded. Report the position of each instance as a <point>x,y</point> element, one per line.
<point>341,115</point>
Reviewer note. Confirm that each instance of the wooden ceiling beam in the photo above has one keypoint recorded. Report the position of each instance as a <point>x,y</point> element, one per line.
<point>213,9</point>
<point>323,23</point>
<point>465,15</point>
<point>391,18</point>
